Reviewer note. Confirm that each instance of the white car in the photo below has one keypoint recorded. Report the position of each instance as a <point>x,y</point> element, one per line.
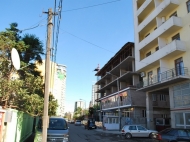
<point>78,122</point>
<point>137,131</point>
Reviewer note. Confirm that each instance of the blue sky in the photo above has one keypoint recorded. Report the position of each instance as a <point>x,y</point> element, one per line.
<point>88,36</point>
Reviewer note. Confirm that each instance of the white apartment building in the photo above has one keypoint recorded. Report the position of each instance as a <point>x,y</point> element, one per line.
<point>59,88</point>
<point>162,55</point>
<point>57,84</point>
<point>81,104</point>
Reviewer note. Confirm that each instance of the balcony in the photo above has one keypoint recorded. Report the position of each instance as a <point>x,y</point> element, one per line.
<point>145,9</point>
<point>171,26</point>
<point>173,49</point>
<point>165,78</point>
<point>161,10</point>
<point>115,105</point>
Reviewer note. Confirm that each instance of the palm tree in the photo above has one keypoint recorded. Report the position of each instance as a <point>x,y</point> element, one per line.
<point>32,54</point>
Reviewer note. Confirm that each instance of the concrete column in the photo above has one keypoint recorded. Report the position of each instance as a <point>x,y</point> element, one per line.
<point>149,111</point>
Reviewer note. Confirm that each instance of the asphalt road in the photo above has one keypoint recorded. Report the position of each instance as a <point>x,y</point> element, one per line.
<point>79,134</point>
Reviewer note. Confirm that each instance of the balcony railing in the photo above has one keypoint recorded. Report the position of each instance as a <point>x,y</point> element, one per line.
<point>167,75</point>
<point>108,105</point>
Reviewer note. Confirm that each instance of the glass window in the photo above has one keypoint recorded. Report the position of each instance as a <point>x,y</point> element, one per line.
<point>188,132</point>
<point>172,132</point>
<point>153,97</point>
<point>182,133</point>
<point>54,124</point>
<point>187,118</point>
<point>176,37</point>
<point>143,113</point>
<point>157,48</point>
<point>148,54</point>
<point>162,97</point>
<point>188,6</point>
<point>179,119</point>
<point>141,128</point>
<point>132,128</point>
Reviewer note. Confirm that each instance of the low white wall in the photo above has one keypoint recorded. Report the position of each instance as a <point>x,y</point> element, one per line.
<point>112,126</point>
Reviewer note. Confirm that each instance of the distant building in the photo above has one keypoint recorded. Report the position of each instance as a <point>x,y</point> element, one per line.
<point>57,83</point>
<point>95,95</point>
<point>81,104</point>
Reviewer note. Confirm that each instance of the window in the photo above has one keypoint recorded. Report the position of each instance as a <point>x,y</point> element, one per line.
<point>141,128</point>
<point>162,97</point>
<point>179,66</point>
<point>132,128</point>
<point>150,77</point>
<point>176,37</point>
<point>174,14</point>
<point>143,113</point>
<point>153,97</point>
<point>157,48</point>
<point>155,28</point>
<point>182,133</point>
<point>148,54</point>
<point>172,132</point>
<point>159,74</point>
<point>188,6</point>
<point>164,115</point>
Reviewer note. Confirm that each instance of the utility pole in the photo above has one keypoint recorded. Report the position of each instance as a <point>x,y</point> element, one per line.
<point>47,76</point>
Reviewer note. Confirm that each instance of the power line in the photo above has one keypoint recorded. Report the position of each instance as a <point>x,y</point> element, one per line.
<point>33,27</point>
<point>91,6</point>
<point>87,41</point>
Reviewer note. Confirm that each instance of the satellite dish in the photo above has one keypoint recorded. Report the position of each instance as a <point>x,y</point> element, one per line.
<point>15,58</point>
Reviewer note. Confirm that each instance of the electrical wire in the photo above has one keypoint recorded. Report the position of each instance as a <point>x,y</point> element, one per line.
<point>33,27</point>
<point>91,6</point>
<point>87,41</point>
<point>53,40</point>
<point>58,28</point>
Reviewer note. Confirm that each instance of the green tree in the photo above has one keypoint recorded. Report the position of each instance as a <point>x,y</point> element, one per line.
<point>31,53</point>
<point>27,93</point>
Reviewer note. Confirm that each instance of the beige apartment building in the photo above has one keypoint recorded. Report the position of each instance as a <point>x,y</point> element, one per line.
<point>162,56</point>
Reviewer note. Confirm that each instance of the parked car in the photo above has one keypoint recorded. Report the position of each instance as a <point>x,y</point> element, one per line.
<point>173,135</point>
<point>136,131</point>
<point>72,121</point>
<point>57,130</point>
<point>78,122</point>
<point>90,124</point>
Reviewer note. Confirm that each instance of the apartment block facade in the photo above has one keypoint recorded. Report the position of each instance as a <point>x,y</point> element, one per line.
<point>120,103</point>
<point>162,54</point>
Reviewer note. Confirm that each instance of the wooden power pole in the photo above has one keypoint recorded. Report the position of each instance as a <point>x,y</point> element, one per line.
<point>47,76</point>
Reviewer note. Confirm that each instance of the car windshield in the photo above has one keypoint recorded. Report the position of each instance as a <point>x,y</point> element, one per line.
<point>54,124</point>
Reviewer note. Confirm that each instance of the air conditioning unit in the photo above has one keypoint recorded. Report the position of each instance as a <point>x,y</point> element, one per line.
<point>142,74</point>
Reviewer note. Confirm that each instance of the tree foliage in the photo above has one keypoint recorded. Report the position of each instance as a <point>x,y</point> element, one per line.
<point>26,93</point>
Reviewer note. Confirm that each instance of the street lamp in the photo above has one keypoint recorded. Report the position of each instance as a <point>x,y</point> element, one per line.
<point>85,106</point>
<point>119,110</point>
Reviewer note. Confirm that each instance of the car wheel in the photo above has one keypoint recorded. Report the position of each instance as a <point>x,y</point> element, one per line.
<point>151,135</point>
<point>128,135</point>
